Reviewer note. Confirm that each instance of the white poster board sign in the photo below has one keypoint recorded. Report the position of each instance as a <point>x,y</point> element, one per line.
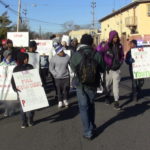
<point>44,47</point>
<point>66,39</point>
<point>68,52</point>
<point>6,91</point>
<point>32,95</point>
<point>34,59</point>
<point>20,39</point>
<point>141,65</point>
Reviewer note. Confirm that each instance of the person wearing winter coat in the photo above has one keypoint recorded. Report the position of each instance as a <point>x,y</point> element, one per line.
<point>136,83</point>
<point>86,92</point>
<point>113,56</point>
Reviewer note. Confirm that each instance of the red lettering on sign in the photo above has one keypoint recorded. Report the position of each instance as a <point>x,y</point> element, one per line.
<point>140,49</point>
<point>23,103</point>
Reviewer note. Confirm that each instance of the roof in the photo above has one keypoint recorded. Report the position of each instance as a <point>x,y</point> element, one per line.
<point>124,8</point>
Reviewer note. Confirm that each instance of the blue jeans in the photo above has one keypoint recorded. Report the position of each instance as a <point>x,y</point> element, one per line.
<point>87,109</point>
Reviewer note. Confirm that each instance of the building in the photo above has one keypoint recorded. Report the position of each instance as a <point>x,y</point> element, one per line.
<point>78,34</point>
<point>131,22</point>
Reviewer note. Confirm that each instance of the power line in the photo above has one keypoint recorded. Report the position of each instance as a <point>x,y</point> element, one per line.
<point>8,7</point>
<point>32,19</point>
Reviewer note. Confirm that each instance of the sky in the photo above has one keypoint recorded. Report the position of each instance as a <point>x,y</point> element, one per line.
<point>57,12</point>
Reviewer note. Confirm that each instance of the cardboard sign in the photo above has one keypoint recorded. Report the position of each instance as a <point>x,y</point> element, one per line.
<point>44,47</point>
<point>66,38</point>
<point>141,65</point>
<point>34,59</point>
<point>6,91</point>
<point>20,39</point>
<point>32,95</point>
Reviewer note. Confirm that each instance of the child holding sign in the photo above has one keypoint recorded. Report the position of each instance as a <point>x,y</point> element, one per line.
<point>22,66</point>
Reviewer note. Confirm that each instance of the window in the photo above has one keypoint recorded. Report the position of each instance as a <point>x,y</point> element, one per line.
<point>148,10</point>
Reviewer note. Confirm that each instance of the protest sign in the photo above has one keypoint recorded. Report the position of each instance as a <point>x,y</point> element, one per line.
<point>44,47</point>
<point>34,59</point>
<point>6,91</point>
<point>32,95</point>
<point>66,39</point>
<point>20,39</point>
<point>141,65</point>
<point>68,52</point>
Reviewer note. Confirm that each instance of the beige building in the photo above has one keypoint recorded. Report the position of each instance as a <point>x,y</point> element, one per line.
<point>78,34</point>
<point>131,22</point>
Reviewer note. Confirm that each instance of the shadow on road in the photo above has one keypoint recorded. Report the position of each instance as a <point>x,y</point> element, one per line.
<point>63,114</point>
<point>128,112</point>
<point>125,78</point>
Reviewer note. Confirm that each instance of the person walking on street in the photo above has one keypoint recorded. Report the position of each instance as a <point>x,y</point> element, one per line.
<point>87,65</point>
<point>136,83</point>
<point>59,69</point>
<point>113,56</point>
<point>27,117</point>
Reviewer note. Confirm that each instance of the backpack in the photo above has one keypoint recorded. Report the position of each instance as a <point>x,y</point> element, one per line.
<point>87,71</point>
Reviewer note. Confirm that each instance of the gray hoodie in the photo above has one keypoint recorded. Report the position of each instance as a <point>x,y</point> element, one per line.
<point>59,66</point>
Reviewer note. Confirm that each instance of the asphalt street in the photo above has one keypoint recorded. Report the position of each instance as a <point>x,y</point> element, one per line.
<point>61,129</point>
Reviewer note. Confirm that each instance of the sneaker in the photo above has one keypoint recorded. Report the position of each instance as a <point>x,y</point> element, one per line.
<point>6,115</point>
<point>31,124</point>
<point>88,137</point>
<point>99,91</point>
<point>24,126</point>
<point>66,103</point>
<point>116,106</point>
<point>60,104</point>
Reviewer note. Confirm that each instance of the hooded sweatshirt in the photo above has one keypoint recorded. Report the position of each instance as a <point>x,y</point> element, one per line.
<point>108,58</point>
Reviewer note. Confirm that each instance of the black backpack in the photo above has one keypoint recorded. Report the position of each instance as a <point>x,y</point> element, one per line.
<point>88,71</point>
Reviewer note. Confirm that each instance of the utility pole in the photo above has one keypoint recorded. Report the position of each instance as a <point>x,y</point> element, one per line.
<point>40,32</point>
<point>25,21</point>
<point>93,6</point>
<point>18,21</point>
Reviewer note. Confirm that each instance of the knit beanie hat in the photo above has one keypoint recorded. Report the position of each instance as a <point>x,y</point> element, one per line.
<point>58,47</point>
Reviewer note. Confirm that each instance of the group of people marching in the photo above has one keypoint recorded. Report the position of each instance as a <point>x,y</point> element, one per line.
<point>92,68</point>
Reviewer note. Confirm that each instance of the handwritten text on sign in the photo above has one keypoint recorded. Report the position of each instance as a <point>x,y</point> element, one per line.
<point>20,39</point>
<point>32,95</point>
<point>44,47</point>
<point>141,65</point>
